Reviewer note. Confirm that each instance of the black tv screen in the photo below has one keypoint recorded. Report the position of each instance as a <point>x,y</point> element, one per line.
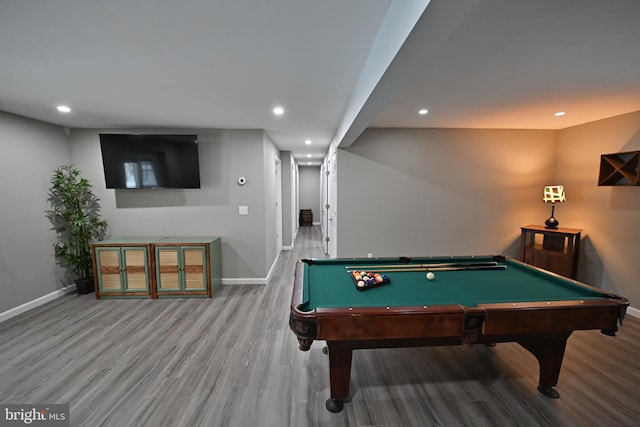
<point>150,161</point>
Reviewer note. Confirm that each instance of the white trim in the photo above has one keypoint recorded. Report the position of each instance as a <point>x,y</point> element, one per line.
<point>633,312</point>
<point>254,280</point>
<point>273,266</point>
<point>13,312</point>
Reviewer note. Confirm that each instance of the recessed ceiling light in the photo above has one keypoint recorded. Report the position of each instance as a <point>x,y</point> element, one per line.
<point>308,155</point>
<point>63,109</point>
<point>423,112</point>
<point>560,114</point>
<point>308,142</point>
<point>278,111</point>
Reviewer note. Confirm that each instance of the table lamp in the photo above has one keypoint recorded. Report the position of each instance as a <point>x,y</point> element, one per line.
<point>553,194</point>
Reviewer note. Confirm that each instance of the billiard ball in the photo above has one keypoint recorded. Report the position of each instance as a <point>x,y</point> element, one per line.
<point>430,276</point>
<point>360,284</point>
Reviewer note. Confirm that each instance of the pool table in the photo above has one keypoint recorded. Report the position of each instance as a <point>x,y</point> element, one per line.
<point>464,304</point>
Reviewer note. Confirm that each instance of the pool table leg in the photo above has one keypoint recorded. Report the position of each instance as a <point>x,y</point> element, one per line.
<point>340,356</point>
<point>549,353</point>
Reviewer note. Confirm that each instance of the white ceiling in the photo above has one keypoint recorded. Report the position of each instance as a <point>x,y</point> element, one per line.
<point>514,63</point>
<point>227,63</point>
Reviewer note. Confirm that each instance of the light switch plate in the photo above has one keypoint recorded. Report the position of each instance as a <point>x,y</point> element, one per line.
<point>243,210</point>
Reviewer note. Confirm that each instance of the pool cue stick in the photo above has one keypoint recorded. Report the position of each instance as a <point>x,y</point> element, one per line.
<point>458,268</point>
<point>438,265</point>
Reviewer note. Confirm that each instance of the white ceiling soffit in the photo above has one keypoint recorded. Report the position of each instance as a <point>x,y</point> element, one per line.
<point>513,64</point>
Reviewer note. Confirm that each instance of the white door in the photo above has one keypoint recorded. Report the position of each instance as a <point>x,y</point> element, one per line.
<point>332,205</point>
<point>323,203</point>
<point>278,207</point>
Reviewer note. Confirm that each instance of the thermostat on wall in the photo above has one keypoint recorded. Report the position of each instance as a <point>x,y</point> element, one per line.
<point>242,180</point>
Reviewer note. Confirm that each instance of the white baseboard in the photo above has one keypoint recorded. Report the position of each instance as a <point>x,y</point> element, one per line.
<point>36,302</point>
<point>254,280</point>
<point>633,312</point>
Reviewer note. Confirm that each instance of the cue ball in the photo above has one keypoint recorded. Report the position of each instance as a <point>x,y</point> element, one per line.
<point>430,276</point>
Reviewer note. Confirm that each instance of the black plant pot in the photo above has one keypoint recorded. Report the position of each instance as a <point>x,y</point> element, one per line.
<point>85,286</point>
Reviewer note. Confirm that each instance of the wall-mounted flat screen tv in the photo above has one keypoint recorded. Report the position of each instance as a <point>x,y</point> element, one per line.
<point>150,161</point>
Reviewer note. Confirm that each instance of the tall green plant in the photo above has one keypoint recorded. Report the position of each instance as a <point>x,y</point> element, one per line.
<point>75,216</point>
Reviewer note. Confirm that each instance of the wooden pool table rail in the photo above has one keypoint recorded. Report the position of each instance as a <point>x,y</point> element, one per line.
<point>542,328</point>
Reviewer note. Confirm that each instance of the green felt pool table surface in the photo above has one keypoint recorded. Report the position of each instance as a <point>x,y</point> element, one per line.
<point>509,302</point>
<point>328,284</point>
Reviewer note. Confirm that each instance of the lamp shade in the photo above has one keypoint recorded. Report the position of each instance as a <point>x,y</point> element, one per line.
<point>554,193</point>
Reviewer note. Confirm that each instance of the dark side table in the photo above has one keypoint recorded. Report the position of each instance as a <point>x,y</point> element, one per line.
<point>555,250</point>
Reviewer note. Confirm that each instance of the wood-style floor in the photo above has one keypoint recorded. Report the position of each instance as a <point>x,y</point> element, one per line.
<point>232,361</point>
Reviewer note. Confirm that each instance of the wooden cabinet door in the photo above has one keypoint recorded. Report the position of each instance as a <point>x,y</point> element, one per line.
<point>109,267</point>
<point>194,268</point>
<point>167,268</point>
<point>181,269</point>
<point>136,270</point>
<point>122,269</point>
<point>156,267</point>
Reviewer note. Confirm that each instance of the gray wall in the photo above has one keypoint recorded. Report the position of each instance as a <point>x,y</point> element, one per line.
<point>31,151</point>
<point>610,216</point>
<point>248,242</point>
<point>310,190</point>
<point>458,191</point>
<point>441,191</point>
<point>414,192</point>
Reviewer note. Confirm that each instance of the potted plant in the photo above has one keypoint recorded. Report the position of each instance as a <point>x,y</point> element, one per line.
<point>75,216</point>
